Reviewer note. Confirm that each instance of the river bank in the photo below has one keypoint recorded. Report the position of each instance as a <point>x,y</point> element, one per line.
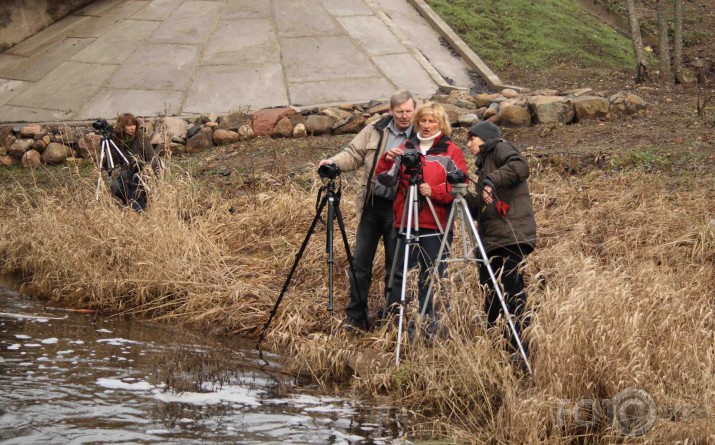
<point>621,283</point>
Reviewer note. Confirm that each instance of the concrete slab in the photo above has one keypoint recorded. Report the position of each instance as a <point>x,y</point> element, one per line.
<point>246,9</point>
<point>406,73</point>
<point>323,58</point>
<point>66,88</point>
<point>108,103</point>
<point>243,41</point>
<point>300,18</point>
<point>158,67</point>
<point>372,35</point>
<point>10,62</point>
<point>36,67</point>
<point>118,44</point>
<point>97,26</point>
<point>11,88</point>
<point>427,40</point>
<point>186,27</point>
<point>9,113</point>
<point>339,90</point>
<point>221,89</point>
<point>99,7</point>
<point>48,37</point>
<point>346,7</point>
<point>155,10</point>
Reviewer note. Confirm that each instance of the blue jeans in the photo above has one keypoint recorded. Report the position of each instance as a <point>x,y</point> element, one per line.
<point>375,224</point>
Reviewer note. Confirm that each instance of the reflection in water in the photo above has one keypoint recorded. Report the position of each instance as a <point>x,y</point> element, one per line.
<point>70,378</point>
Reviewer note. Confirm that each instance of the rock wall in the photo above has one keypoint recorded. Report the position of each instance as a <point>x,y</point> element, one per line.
<point>20,19</point>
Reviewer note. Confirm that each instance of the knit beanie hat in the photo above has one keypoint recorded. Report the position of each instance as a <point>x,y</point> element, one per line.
<point>485,130</point>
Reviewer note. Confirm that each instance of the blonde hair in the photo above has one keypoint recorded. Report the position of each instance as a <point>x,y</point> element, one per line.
<point>438,112</point>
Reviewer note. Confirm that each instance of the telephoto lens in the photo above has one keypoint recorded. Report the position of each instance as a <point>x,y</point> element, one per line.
<point>328,171</point>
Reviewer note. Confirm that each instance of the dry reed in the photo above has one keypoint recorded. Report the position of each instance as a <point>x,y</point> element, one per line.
<point>621,287</point>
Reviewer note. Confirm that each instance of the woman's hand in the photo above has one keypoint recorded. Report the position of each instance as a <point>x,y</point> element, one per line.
<point>392,153</point>
<point>425,190</point>
<point>487,194</point>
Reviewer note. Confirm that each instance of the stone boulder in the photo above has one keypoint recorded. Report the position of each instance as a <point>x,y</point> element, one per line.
<point>283,129</point>
<point>233,121</point>
<point>29,131</point>
<point>245,132</point>
<point>8,161</point>
<point>551,109</point>
<point>56,153</point>
<point>626,103</point>
<point>509,93</point>
<point>223,137</point>
<point>379,108</point>
<point>202,140</point>
<point>18,148</point>
<point>67,135</point>
<point>467,120</point>
<point>590,107</point>
<point>39,145</point>
<point>88,147</point>
<point>264,121</point>
<point>336,113</point>
<point>299,131</point>
<point>484,99</point>
<point>454,112</point>
<point>352,126</point>
<point>32,159</point>
<point>491,111</point>
<point>170,127</point>
<point>317,124</point>
<point>514,116</point>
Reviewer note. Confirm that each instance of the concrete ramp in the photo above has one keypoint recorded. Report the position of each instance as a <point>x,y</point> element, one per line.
<point>186,57</point>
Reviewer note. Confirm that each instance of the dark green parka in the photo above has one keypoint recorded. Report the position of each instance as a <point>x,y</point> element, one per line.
<point>500,165</point>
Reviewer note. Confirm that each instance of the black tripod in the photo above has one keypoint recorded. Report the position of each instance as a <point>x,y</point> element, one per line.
<point>461,210</point>
<point>332,200</point>
<point>105,154</point>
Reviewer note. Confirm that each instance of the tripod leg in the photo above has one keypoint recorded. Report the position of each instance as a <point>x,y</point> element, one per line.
<point>346,243</point>
<point>99,174</point>
<point>329,251</point>
<point>298,256</point>
<point>444,245</point>
<point>497,289</point>
<point>412,218</point>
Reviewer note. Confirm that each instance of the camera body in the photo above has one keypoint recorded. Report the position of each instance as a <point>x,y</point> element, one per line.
<point>102,125</point>
<point>328,171</point>
<point>456,177</point>
<point>410,160</point>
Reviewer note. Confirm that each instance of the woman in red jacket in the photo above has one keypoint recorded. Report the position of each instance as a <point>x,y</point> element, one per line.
<point>437,156</point>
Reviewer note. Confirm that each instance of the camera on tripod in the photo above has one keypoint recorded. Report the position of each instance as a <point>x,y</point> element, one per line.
<point>456,177</point>
<point>328,171</point>
<point>102,125</point>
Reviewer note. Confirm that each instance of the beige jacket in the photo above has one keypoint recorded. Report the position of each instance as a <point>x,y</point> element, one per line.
<point>363,152</point>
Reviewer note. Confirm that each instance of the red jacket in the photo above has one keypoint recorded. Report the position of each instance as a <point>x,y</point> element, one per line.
<point>444,156</point>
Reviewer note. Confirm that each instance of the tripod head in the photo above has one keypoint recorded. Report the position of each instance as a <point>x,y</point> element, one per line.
<point>412,162</point>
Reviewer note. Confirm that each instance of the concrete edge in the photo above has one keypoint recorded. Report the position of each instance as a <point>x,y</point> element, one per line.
<point>431,70</point>
<point>470,57</point>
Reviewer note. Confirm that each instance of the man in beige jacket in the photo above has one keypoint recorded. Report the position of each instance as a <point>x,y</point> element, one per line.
<point>373,201</point>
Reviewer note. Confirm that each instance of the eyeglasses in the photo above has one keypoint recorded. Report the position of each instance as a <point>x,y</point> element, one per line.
<point>403,113</point>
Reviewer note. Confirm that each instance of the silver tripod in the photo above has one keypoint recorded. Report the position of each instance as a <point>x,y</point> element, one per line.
<point>460,210</point>
<point>105,153</point>
<point>408,237</point>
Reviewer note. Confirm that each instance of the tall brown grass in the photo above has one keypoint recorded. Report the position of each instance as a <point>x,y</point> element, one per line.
<point>621,286</point>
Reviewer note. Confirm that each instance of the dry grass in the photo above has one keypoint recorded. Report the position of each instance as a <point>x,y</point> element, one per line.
<point>621,286</point>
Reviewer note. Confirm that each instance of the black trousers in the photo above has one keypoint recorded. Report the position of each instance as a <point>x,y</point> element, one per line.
<point>375,224</point>
<point>505,262</point>
<point>128,189</point>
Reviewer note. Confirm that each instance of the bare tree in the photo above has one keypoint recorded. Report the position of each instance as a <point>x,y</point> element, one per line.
<point>663,41</point>
<point>641,68</point>
<point>678,43</point>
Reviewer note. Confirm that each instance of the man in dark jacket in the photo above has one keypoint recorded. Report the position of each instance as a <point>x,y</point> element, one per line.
<point>506,224</point>
<point>373,201</point>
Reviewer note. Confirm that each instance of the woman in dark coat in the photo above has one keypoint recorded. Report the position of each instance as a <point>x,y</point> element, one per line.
<point>506,224</point>
<point>127,185</point>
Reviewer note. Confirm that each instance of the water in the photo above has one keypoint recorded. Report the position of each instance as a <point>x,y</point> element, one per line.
<point>72,378</point>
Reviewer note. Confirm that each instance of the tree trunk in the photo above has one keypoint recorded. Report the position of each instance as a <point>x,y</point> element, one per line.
<point>641,68</point>
<point>663,43</point>
<point>678,42</point>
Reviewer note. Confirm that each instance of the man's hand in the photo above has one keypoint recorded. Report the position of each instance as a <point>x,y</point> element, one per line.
<point>487,194</point>
<point>325,161</point>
